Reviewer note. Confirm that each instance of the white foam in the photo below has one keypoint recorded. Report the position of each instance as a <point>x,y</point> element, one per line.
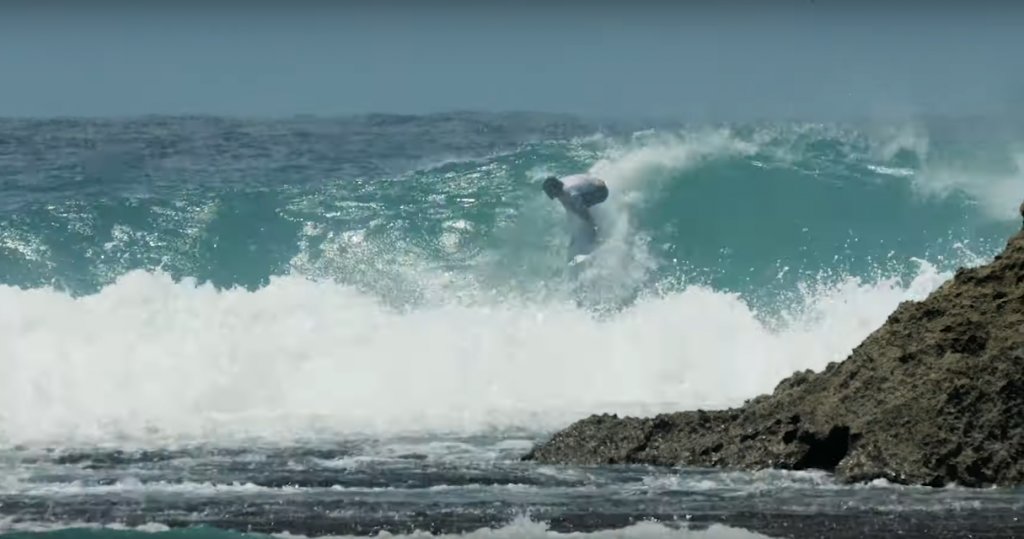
<point>147,359</point>
<point>889,141</point>
<point>651,158</point>
<point>997,194</point>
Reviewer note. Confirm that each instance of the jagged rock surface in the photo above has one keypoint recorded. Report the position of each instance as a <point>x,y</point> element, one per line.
<point>934,396</point>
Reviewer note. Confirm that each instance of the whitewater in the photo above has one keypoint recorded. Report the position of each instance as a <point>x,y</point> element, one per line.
<point>203,314</point>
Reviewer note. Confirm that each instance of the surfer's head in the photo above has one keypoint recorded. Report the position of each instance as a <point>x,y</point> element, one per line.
<point>552,187</point>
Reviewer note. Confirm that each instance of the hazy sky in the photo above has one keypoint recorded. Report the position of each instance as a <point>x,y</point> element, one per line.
<point>794,58</point>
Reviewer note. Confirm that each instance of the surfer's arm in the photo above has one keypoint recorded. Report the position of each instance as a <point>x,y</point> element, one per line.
<point>575,205</point>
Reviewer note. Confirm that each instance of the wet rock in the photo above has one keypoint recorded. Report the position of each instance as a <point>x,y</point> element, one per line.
<point>935,396</point>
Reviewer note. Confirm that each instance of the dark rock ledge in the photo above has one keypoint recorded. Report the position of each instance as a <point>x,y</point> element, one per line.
<point>933,397</point>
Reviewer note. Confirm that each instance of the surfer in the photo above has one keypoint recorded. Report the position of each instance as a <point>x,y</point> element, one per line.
<point>578,193</point>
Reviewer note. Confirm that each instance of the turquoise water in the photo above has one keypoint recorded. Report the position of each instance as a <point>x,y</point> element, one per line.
<point>340,326</point>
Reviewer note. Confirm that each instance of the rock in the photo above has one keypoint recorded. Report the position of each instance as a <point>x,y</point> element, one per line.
<point>935,396</point>
<point>1022,215</point>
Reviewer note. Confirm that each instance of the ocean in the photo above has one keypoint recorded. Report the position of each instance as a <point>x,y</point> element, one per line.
<point>315,327</point>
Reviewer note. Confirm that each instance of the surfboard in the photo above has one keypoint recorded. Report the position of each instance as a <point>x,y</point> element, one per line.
<point>578,259</point>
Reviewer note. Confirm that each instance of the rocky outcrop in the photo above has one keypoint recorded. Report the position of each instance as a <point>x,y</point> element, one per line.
<point>935,396</point>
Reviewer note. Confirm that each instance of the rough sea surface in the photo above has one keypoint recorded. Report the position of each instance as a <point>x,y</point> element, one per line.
<point>332,327</point>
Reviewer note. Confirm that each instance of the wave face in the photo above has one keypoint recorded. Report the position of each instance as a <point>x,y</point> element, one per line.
<point>173,280</point>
